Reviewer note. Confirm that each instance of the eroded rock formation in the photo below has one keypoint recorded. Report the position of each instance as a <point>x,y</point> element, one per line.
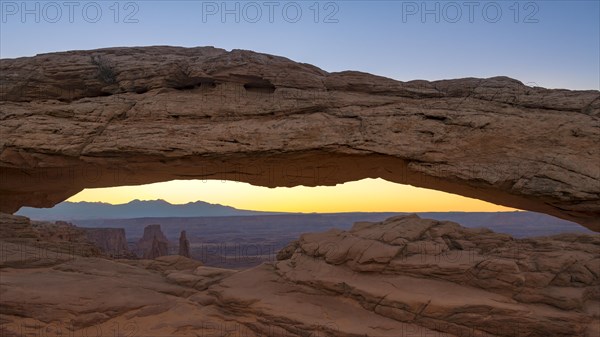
<point>485,279</point>
<point>111,241</point>
<point>416,277</point>
<point>184,245</point>
<point>402,277</point>
<point>126,116</point>
<point>40,243</point>
<point>153,243</point>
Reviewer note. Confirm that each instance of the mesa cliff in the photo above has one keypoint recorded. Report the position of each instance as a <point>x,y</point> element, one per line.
<point>35,243</point>
<point>125,116</point>
<point>111,241</point>
<point>153,243</point>
<point>32,238</point>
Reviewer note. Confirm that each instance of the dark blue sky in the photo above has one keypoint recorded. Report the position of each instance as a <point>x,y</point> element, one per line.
<point>548,43</point>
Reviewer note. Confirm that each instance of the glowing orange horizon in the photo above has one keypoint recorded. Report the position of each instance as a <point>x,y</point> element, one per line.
<point>367,195</point>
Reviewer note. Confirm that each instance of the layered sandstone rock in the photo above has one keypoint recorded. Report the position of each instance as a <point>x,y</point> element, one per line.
<point>402,277</point>
<point>184,245</point>
<point>153,243</point>
<point>126,116</point>
<point>159,248</point>
<point>111,241</point>
<point>442,276</point>
<point>40,242</point>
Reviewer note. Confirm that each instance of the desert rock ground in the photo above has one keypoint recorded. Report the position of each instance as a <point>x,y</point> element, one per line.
<point>405,276</point>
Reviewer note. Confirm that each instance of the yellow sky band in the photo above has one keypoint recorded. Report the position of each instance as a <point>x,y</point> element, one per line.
<point>367,195</point>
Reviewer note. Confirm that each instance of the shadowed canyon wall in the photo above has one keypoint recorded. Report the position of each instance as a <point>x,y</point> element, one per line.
<point>111,241</point>
<point>124,116</point>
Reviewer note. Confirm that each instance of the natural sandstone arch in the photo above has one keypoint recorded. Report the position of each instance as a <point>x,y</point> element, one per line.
<point>127,116</point>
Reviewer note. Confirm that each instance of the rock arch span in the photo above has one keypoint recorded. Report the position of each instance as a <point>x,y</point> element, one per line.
<point>124,116</point>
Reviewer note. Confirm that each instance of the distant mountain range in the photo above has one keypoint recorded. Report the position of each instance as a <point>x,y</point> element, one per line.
<point>134,215</point>
<point>133,209</point>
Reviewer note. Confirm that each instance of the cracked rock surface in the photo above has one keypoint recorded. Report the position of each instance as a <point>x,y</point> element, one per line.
<point>124,116</point>
<point>405,276</point>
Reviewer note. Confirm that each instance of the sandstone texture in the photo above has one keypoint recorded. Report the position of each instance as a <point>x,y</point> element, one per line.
<point>184,245</point>
<point>124,116</point>
<point>41,243</point>
<point>111,241</point>
<point>444,276</point>
<point>153,244</point>
<point>405,276</point>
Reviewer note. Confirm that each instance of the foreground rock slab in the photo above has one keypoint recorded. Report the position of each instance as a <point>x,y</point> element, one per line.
<point>124,116</point>
<point>467,282</point>
<point>405,276</point>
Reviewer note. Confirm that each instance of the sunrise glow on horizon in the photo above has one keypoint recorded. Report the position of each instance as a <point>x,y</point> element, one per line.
<point>367,195</point>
